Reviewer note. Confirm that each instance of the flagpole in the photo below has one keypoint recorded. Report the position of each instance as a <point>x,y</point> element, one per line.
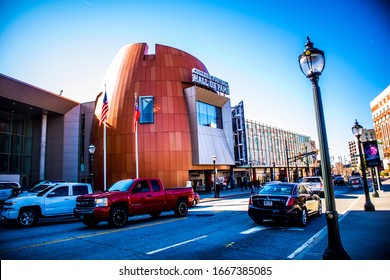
<point>105,149</point>
<point>136,110</point>
<point>136,151</point>
<point>105,157</point>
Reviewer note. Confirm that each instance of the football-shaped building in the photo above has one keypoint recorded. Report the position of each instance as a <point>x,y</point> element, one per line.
<point>185,120</point>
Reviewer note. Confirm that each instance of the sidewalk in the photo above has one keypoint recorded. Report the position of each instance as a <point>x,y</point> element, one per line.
<point>209,196</point>
<point>364,235</point>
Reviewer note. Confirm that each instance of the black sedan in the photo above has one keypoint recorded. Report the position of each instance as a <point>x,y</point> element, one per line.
<point>339,180</point>
<point>284,201</point>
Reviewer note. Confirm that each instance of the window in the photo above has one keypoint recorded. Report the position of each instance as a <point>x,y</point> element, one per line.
<point>61,191</point>
<point>156,186</point>
<point>80,189</point>
<point>146,109</point>
<point>209,115</point>
<point>141,187</point>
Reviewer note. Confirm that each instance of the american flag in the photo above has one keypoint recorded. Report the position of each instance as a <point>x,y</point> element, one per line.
<point>137,113</point>
<point>103,116</point>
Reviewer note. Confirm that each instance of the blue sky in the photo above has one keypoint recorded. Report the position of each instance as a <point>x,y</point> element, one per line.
<point>253,45</point>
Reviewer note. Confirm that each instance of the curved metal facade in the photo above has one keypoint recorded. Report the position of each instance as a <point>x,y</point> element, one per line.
<point>164,146</point>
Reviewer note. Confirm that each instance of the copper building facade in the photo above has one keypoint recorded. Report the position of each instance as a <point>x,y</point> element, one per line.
<point>183,123</point>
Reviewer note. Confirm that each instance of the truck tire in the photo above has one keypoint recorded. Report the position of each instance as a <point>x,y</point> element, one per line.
<point>118,217</point>
<point>89,221</point>
<point>181,209</point>
<point>28,217</point>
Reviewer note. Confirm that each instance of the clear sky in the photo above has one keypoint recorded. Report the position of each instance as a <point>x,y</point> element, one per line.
<point>253,45</point>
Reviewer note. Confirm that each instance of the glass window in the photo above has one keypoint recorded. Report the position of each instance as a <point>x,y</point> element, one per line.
<point>141,187</point>
<point>146,109</point>
<point>61,191</point>
<point>209,115</point>
<point>80,189</point>
<point>156,186</point>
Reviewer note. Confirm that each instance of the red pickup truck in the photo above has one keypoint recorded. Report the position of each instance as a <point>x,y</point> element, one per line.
<point>132,197</point>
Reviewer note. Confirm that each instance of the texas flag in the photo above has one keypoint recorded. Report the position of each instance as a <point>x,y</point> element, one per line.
<point>137,113</point>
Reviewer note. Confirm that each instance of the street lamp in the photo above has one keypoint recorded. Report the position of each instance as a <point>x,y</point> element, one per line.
<point>288,163</point>
<point>357,130</point>
<point>215,189</point>
<point>273,171</point>
<point>250,177</point>
<point>312,63</point>
<point>91,150</point>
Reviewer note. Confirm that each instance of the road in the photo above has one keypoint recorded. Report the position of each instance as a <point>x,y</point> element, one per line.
<point>214,230</point>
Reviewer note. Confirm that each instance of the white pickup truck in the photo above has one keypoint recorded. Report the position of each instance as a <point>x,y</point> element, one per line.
<point>53,201</point>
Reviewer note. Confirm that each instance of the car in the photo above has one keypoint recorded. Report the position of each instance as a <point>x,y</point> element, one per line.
<point>339,180</point>
<point>56,200</point>
<point>315,183</point>
<point>355,182</point>
<point>196,199</point>
<point>9,190</point>
<point>284,201</point>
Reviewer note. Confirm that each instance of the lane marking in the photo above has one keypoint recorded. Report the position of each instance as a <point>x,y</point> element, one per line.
<point>176,245</point>
<point>322,231</point>
<point>260,228</point>
<point>307,243</point>
<point>252,230</point>
<point>86,236</point>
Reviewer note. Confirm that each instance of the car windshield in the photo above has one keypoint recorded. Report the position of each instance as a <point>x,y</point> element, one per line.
<point>7,186</point>
<point>39,188</point>
<point>277,189</point>
<point>311,180</point>
<point>121,186</point>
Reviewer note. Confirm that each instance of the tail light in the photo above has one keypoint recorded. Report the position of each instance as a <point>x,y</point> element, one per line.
<point>290,201</point>
<point>250,201</point>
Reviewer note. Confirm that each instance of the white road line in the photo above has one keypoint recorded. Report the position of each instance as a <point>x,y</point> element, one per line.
<point>307,243</point>
<point>252,230</point>
<point>322,231</point>
<point>175,245</point>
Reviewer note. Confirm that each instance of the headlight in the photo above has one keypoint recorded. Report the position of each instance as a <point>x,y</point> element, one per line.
<point>101,202</point>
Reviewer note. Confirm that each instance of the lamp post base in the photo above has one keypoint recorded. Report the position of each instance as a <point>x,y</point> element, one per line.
<point>335,250</point>
<point>368,206</point>
<point>335,254</point>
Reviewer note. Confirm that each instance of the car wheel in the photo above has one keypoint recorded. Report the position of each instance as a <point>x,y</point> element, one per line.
<point>28,217</point>
<point>89,221</point>
<point>319,211</point>
<point>303,218</point>
<point>258,220</point>
<point>181,209</point>
<point>118,217</point>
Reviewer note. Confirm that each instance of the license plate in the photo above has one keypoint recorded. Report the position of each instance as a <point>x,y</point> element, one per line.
<point>267,202</point>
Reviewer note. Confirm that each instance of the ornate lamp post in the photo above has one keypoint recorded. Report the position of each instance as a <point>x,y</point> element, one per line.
<point>357,130</point>
<point>91,150</point>
<point>312,63</point>
<point>273,171</point>
<point>215,189</point>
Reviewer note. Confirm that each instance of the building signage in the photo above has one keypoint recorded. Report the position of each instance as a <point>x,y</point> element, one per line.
<point>371,152</point>
<point>205,79</point>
